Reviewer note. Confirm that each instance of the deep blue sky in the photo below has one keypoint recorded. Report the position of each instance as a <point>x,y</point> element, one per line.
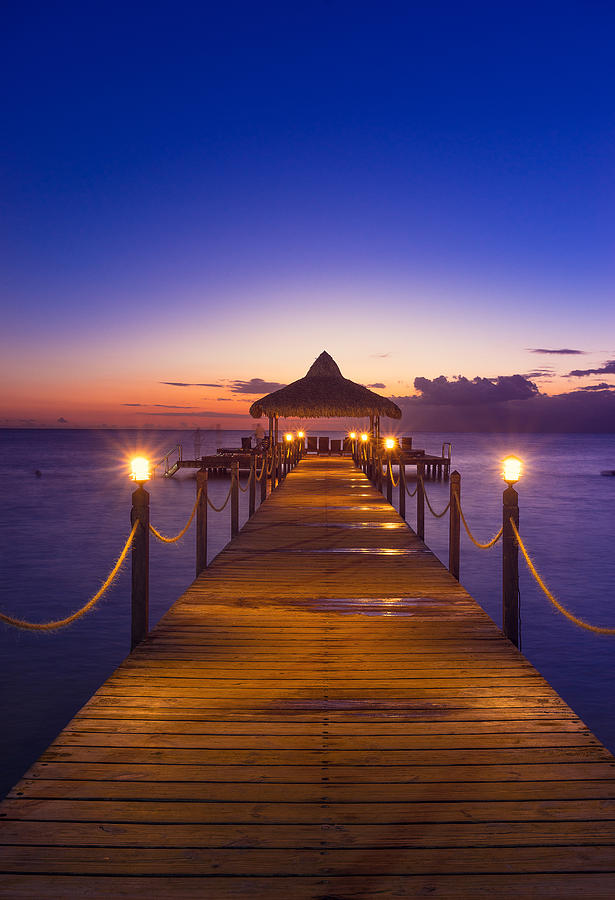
<point>187,172</point>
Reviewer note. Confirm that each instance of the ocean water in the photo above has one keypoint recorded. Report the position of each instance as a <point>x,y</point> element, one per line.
<point>61,532</point>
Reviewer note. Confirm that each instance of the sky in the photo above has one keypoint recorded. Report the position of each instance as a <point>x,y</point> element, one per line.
<point>197,199</point>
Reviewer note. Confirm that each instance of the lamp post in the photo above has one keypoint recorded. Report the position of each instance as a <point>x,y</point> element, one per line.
<point>510,551</point>
<point>454,527</point>
<point>352,435</point>
<point>389,446</point>
<point>140,473</point>
<point>289,452</point>
<point>364,441</point>
<point>201,521</point>
<point>300,443</point>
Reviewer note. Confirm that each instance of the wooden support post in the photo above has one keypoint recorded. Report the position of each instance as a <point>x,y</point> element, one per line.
<point>272,474</point>
<point>389,477</point>
<point>420,501</point>
<point>510,566</point>
<point>402,488</point>
<point>234,498</point>
<point>454,532</point>
<point>263,461</point>
<point>201,522</point>
<point>140,567</point>
<point>252,494</point>
<point>378,471</point>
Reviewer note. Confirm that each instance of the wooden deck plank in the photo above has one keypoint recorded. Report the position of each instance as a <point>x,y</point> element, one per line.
<point>324,713</point>
<point>596,886</point>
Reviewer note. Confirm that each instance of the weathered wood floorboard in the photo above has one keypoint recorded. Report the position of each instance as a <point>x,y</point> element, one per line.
<point>325,713</point>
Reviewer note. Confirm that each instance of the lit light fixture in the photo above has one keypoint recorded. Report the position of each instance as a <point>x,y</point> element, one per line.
<point>353,435</point>
<point>365,437</point>
<point>288,436</point>
<point>139,470</point>
<point>512,470</point>
<point>389,443</point>
<point>301,435</point>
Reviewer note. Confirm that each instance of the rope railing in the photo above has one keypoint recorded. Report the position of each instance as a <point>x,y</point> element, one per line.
<point>598,629</point>
<point>244,489</point>
<point>476,543</point>
<point>430,507</point>
<point>390,468</point>
<point>220,508</point>
<point>179,535</point>
<point>263,467</point>
<point>412,493</point>
<point>55,624</point>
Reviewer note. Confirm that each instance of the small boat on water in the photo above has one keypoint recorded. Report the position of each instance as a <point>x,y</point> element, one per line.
<point>608,472</point>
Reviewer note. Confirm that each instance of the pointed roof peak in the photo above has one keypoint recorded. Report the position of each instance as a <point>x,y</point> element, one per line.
<point>324,367</point>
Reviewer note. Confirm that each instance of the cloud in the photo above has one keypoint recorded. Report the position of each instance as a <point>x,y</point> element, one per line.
<point>131,404</point>
<point>18,423</point>
<point>380,355</point>
<point>563,352</point>
<point>540,373</point>
<point>255,386</point>
<point>171,406</point>
<point>189,384</point>
<point>607,369</point>
<point>462,392</point>
<point>603,386</point>
<point>575,412</point>
<point>224,399</point>
<point>62,421</point>
<point>209,413</point>
<point>376,384</point>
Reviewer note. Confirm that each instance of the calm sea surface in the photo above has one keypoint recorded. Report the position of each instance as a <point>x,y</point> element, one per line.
<point>61,533</point>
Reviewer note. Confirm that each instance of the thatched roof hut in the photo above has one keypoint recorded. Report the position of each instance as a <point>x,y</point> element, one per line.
<point>324,393</point>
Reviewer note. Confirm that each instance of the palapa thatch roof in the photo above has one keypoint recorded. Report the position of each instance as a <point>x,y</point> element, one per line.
<point>324,393</point>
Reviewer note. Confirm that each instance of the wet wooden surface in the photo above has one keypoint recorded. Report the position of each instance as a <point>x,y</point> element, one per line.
<point>325,713</point>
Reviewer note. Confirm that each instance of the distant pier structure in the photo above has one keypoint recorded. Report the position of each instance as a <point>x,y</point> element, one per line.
<point>322,393</point>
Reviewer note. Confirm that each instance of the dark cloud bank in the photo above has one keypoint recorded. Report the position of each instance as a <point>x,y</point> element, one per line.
<point>255,386</point>
<point>565,351</point>
<point>506,404</point>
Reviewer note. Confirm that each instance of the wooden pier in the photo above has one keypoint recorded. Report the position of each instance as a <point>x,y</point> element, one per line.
<point>325,713</point>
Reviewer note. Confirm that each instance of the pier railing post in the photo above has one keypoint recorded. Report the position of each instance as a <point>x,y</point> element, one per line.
<point>454,530</point>
<point>389,477</point>
<point>201,522</point>
<point>263,462</point>
<point>420,500</point>
<point>402,487</point>
<point>140,567</point>
<point>378,471</point>
<point>234,498</point>
<point>510,567</point>
<point>252,494</point>
<point>274,455</point>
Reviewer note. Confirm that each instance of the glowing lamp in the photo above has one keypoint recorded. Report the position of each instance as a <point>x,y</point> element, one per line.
<point>353,435</point>
<point>288,437</point>
<point>512,470</point>
<point>301,435</point>
<point>364,437</point>
<point>389,443</point>
<point>139,469</point>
